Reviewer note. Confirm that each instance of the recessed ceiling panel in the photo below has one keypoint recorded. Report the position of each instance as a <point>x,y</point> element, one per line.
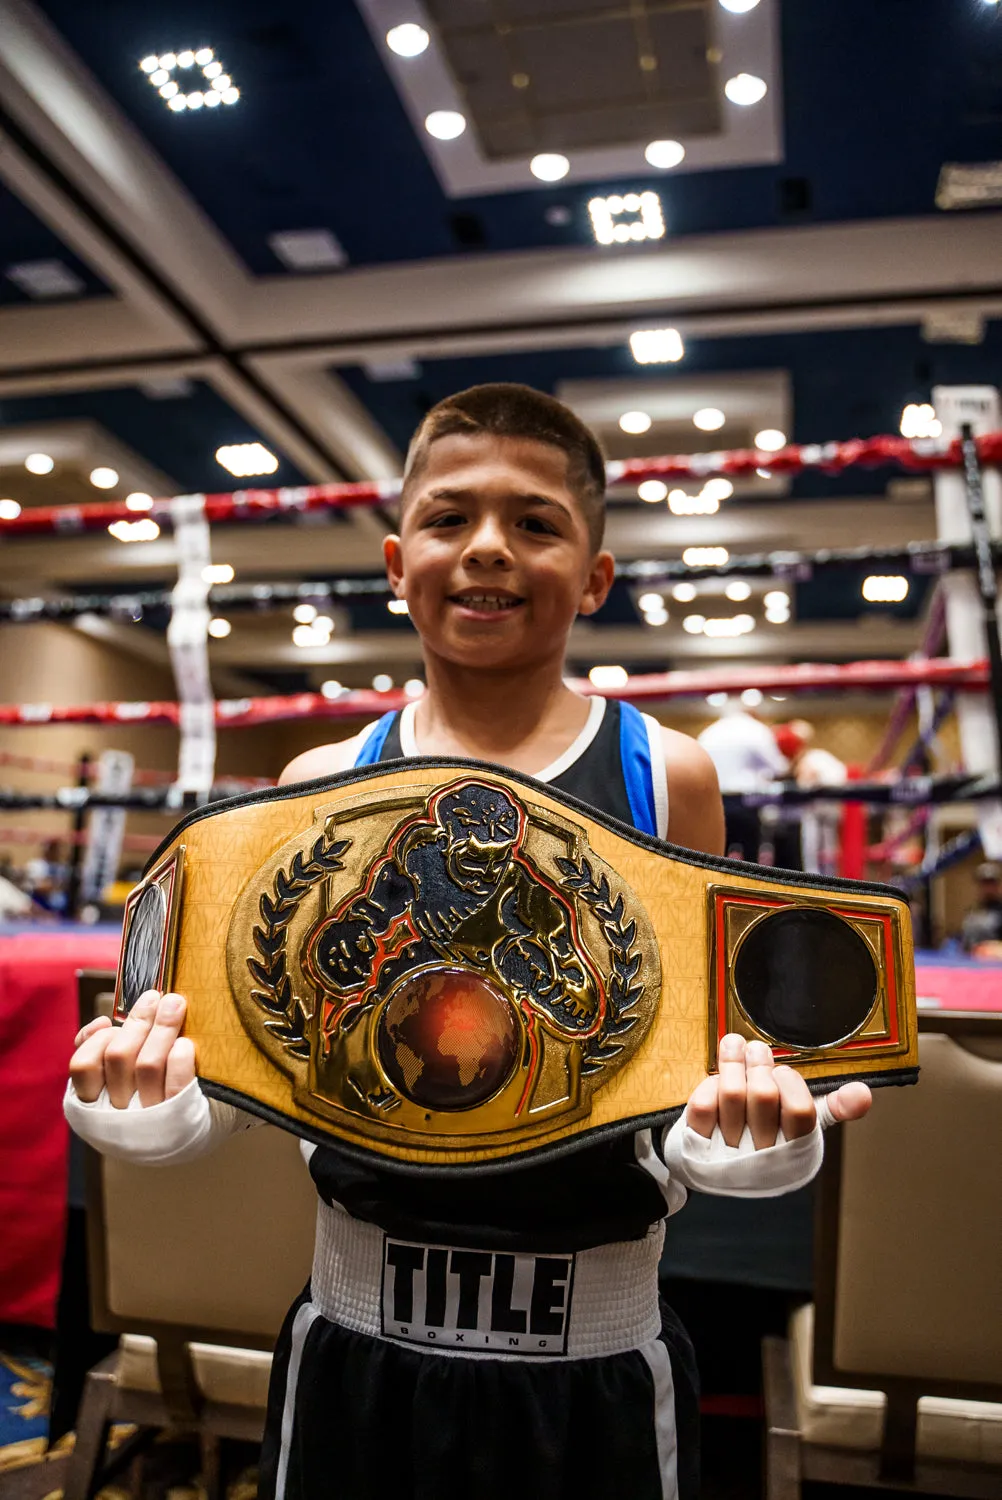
<point>581,73</point>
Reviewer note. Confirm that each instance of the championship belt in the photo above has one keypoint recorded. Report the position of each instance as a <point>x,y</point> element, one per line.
<point>449,964</point>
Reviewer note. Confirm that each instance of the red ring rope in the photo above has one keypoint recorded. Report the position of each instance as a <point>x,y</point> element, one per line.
<point>238,713</point>
<point>917,454</point>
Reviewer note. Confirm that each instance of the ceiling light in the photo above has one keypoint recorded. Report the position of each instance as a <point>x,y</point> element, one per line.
<point>664,154</point>
<point>103,478</point>
<point>308,249</point>
<point>243,459</point>
<point>397,607</point>
<point>217,573</point>
<point>764,473</point>
<point>728,627</point>
<point>304,614</point>
<point>652,490</point>
<point>635,422</point>
<point>45,279</point>
<point>716,700</point>
<point>777,617</point>
<point>705,557</point>
<point>324,623</point>
<point>656,616</point>
<point>445,124</point>
<point>414,687</point>
<point>306,636</point>
<point>408,39</point>
<point>608,677</point>
<point>656,346</point>
<point>745,88</point>
<point>737,590</point>
<point>648,602</point>
<point>770,440</point>
<point>138,500</point>
<point>145,530</point>
<point>919,420</point>
<point>549,166</point>
<point>382,682</point>
<point>684,593</point>
<point>739,7</point>
<point>717,489</point>
<point>39,463</point>
<point>331,688</point>
<point>751,697</point>
<point>219,628</point>
<point>159,75</point>
<point>882,588</point>
<point>681,504</point>
<point>694,624</point>
<point>776,599</point>
<point>644,219</point>
<point>708,419</point>
<point>9,510</point>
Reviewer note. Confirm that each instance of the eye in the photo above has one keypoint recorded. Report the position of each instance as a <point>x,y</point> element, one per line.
<point>446,519</point>
<point>538,525</point>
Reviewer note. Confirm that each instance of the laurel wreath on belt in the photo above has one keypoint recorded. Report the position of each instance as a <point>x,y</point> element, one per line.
<point>290,1014</point>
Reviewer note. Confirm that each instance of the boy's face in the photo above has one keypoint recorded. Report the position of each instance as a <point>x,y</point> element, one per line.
<point>493,556</point>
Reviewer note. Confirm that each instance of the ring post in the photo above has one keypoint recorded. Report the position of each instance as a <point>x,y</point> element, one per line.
<point>969,509</point>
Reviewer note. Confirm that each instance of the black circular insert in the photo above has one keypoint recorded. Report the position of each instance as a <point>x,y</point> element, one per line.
<point>805,977</point>
<point>143,947</point>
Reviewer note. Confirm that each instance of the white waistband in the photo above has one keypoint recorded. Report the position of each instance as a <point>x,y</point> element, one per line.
<point>485,1304</point>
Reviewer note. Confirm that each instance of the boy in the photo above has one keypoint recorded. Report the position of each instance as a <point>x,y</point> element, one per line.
<point>499,550</point>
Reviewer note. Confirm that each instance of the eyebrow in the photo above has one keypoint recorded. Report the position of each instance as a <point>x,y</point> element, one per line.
<point>526,498</point>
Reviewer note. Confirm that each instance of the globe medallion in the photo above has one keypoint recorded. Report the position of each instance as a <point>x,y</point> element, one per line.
<point>448,1039</point>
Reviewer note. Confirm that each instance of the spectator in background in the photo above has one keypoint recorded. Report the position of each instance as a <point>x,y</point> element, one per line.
<point>820,822</point>
<point>981,931</point>
<point>747,759</point>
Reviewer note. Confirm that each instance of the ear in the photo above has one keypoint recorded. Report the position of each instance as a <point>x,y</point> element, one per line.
<point>393,557</point>
<point>601,575</point>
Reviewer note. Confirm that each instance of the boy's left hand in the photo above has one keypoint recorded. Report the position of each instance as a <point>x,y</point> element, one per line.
<point>751,1088</point>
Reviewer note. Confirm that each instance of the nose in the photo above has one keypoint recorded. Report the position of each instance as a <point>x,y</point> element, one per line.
<point>487,545</point>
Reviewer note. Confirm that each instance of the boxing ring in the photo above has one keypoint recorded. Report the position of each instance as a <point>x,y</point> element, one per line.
<point>37,988</point>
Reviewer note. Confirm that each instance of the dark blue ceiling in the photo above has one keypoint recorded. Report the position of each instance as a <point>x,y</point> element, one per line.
<point>877,94</point>
<point>179,436</point>
<point>25,238</point>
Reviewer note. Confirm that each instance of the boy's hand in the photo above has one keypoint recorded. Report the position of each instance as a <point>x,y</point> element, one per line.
<point>751,1089</point>
<point>144,1055</point>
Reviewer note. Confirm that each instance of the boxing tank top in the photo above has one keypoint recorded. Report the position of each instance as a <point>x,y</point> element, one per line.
<point>594,1195</point>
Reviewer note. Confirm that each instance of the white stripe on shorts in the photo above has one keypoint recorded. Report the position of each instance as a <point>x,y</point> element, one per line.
<point>656,1355</point>
<point>301,1325</point>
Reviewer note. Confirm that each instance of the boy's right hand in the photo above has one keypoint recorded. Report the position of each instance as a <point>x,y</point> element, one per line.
<point>144,1055</point>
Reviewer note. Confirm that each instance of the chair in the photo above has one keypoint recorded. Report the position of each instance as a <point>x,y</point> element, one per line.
<point>194,1267</point>
<point>894,1376</point>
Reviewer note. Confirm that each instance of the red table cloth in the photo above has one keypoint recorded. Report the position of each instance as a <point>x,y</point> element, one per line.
<point>38,1021</point>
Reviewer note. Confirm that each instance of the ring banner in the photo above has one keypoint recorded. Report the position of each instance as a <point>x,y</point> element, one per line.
<point>449,964</point>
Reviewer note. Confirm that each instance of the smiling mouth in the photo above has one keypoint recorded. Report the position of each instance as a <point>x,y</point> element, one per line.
<point>488,604</point>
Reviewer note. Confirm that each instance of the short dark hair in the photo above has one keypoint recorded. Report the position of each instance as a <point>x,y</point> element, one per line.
<point>507,410</point>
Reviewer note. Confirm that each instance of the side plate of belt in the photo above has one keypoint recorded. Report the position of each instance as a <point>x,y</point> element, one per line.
<point>449,964</point>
